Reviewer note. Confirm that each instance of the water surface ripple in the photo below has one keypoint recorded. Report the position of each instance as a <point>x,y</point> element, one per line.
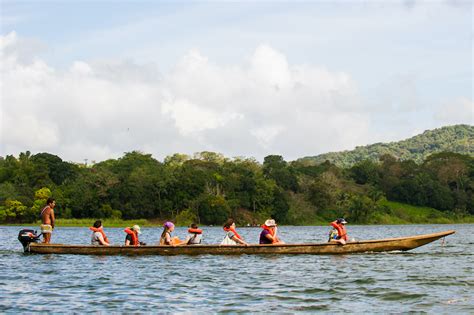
<point>432,278</point>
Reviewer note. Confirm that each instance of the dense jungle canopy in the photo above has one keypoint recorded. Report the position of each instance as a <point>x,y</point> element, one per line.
<point>208,187</point>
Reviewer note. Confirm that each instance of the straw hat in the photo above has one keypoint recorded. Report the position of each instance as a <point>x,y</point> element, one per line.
<point>136,228</point>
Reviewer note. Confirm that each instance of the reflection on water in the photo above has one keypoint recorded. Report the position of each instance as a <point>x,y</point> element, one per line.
<point>432,278</point>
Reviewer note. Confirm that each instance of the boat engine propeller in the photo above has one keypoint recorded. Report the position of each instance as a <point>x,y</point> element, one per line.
<point>26,237</point>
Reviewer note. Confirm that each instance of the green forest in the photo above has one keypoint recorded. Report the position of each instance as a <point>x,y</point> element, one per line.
<point>208,188</point>
<point>456,139</point>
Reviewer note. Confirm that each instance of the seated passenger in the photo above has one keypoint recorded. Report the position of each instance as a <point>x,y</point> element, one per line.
<point>166,238</point>
<point>340,226</point>
<point>98,236</point>
<point>132,236</point>
<point>195,235</point>
<point>332,235</point>
<point>269,233</point>
<point>231,236</point>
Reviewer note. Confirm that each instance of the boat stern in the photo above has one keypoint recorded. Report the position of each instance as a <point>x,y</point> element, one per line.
<point>26,237</point>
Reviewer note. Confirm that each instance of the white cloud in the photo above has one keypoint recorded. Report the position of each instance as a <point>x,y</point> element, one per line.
<point>15,49</point>
<point>270,68</point>
<point>190,118</point>
<point>266,135</point>
<point>31,132</point>
<point>101,109</point>
<point>81,68</point>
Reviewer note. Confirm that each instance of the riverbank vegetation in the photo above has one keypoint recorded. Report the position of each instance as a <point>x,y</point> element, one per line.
<point>208,188</point>
<point>398,213</point>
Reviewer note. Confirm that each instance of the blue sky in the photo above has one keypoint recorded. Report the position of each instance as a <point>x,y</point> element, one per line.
<point>345,73</point>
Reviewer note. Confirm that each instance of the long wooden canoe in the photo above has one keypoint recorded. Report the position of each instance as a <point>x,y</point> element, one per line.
<point>332,248</point>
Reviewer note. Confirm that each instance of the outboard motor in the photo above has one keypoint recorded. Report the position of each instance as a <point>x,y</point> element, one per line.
<point>26,237</point>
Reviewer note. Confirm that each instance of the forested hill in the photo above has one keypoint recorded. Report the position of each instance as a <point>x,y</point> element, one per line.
<point>208,188</point>
<point>457,139</point>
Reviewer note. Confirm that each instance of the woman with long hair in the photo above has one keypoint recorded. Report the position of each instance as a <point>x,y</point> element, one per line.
<point>231,236</point>
<point>166,238</point>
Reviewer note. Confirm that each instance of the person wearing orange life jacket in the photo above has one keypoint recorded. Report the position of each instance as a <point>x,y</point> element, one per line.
<point>269,233</point>
<point>195,235</point>
<point>132,236</point>
<point>98,236</point>
<point>340,226</point>
<point>231,236</point>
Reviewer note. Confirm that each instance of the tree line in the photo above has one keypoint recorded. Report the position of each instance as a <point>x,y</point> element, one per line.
<point>456,139</point>
<point>208,187</point>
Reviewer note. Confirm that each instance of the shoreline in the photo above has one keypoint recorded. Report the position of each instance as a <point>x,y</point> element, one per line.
<point>154,225</point>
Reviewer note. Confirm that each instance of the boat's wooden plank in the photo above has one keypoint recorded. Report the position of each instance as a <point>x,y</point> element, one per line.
<point>390,244</point>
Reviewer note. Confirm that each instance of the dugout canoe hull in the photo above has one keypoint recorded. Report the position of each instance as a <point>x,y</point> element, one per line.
<point>333,248</point>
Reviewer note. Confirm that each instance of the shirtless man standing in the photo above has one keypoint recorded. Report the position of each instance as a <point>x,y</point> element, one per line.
<point>47,219</point>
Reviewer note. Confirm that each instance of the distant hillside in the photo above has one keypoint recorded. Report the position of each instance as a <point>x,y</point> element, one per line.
<point>458,139</point>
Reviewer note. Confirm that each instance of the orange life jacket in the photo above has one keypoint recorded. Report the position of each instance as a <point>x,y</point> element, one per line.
<point>231,229</point>
<point>175,240</point>
<point>134,235</point>
<point>341,230</point>
<point>194,231</point>
<point>101,230</point>
<point>272,233</point>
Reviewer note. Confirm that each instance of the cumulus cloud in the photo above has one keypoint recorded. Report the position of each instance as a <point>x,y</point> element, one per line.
<point>98,110</point>
<point>191,118</point>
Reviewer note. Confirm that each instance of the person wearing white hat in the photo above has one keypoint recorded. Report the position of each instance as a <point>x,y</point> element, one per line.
<point>340,226</point>
<point>269,233</point>
<point>132,236</point>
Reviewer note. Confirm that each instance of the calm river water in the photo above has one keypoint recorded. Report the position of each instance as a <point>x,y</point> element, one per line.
<point>433,278</point>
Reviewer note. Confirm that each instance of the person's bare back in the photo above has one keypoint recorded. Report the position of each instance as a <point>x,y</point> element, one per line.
<point>47,220</point>
<point>47,215</point>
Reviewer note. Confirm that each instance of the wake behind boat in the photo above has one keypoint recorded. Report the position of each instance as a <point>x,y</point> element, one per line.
<point>30,245</point>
